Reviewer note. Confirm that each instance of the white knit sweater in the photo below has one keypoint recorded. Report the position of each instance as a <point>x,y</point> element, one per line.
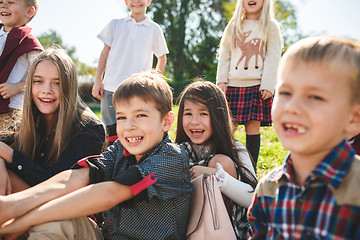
<point>252,62</point>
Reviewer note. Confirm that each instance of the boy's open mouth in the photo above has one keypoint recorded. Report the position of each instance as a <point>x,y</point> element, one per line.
<point>134,139</point>
<point>293,127</point>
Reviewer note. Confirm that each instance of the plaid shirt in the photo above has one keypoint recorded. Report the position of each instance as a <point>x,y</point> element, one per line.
<point>327,206</point>
<point>163,212</point>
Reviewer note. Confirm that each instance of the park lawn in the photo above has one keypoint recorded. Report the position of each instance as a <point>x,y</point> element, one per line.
<point>271,152</point>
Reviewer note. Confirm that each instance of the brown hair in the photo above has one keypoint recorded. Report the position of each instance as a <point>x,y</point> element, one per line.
<point>335,53</point>
<point>213,97</point>
<point>149,86</point>
<point>72,112</point>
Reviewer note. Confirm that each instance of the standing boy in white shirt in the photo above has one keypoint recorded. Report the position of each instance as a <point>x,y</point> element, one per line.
<point>129,46</point>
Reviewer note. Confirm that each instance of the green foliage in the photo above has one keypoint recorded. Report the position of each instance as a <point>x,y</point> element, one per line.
<point>193,30</point>
<point>52,38</point>
<point>229,8</point>
<point>84,69</point>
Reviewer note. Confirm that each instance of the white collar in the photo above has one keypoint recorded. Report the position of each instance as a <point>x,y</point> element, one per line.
<point>2,32</point>
<point>145,22</point>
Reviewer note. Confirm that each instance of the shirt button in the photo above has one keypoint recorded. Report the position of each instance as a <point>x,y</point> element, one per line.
<point>42,154</point>
<point>19,167</point>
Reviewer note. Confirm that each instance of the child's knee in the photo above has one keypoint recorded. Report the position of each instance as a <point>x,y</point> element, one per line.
<point>226,162</point>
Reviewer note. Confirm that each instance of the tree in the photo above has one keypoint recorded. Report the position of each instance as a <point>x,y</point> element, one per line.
<point>193,30</point>
<point>52,38</point>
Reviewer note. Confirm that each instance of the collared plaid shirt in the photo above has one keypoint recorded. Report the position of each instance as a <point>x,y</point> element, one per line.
<point>327,206</point>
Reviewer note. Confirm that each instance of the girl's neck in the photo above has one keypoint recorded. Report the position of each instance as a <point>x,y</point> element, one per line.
<point>253,16</point>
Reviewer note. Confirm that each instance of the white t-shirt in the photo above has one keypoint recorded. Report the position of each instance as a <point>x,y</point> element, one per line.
<point>18,73</point>
<point>132,46</point>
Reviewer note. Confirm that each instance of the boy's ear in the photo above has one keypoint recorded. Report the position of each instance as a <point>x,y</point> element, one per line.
<point>353,128</point>
<point>30,12</point>
<point>168,121</point>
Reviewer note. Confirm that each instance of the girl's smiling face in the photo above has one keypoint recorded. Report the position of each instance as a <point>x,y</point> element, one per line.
<point>46,89</point>
<point>197,122</point>
<point>253,8</point>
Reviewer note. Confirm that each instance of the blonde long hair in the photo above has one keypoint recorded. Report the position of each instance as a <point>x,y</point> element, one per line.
<point>71,114</point>
<point>233,30</point>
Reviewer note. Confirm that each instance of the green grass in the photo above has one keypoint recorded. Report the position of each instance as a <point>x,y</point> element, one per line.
<point>271,152</point>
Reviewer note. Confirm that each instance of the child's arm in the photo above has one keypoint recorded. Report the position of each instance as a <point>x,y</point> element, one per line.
<point>98,88</point>
<point>272,58</point>
<point>5,185</point>
<point>257,220</point>
<point>85,201</point>
<point>238,191</point>
<point>161,63</point>
<point>8,90</point>
<point>17,204</point>
<point>6,152</point>
<point>223,67</point>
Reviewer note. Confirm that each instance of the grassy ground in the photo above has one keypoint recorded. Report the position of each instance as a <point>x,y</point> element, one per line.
<point>271,152</point>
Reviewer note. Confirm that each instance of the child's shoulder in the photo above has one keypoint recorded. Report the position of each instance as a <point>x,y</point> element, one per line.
<point>348,191</point>
<point>268,184</point>
<point>274,27</point>
<point>169,147</point>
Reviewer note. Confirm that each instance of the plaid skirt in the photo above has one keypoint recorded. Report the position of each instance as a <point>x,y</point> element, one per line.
<point>246,104</point>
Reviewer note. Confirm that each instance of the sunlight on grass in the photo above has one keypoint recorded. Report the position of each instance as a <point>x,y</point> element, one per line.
<point>271,152</point>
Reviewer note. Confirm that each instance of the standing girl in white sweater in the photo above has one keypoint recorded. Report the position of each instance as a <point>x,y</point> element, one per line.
<point>204,129</point>
<point>249,54</point>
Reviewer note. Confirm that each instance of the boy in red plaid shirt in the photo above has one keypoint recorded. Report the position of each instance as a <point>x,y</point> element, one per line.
<point>315,193</point>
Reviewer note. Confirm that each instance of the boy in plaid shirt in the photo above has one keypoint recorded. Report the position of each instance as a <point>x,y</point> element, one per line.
<point>315,193</point>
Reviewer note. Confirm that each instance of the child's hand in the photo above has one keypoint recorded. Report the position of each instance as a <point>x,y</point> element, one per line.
<point>265,94</point>
<point>98,90</point>
<point>196,171</point>
<point>222,86</point>
<point>14,228</point>
<point>8,90</point>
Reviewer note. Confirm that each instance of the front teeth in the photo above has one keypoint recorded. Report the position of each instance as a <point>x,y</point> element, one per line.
<point>299,129</point>
<point>196,131</point>
<point>135,139</point>
<point>47,100</point>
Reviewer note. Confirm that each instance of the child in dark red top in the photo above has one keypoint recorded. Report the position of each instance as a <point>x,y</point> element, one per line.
<point>16,42</point>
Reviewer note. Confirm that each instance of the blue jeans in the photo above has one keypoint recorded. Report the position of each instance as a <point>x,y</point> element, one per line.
<point>107,109</point>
